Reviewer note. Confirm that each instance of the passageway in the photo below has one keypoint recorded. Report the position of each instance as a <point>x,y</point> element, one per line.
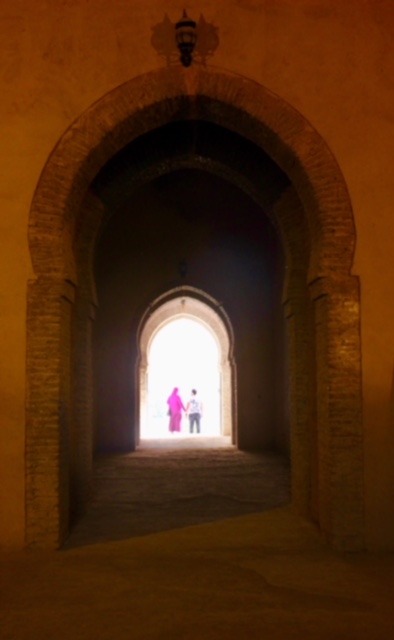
<point>199,186</point>
<point>167,485</point>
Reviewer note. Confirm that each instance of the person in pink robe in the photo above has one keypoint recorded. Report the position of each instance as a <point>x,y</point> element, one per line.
<point>175,406</point>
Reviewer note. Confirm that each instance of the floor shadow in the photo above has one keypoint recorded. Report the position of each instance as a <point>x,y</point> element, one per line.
<point>178,482</point>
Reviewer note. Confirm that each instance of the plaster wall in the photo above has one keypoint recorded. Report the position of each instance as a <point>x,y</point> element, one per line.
<point>331,60</point>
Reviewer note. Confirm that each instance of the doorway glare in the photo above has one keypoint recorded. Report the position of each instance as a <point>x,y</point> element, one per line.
<point>183,353</point>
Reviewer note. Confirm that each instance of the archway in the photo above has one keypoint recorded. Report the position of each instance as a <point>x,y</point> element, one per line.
<point>216,379</point>
<point>183,354</point>
<point>321,296</point>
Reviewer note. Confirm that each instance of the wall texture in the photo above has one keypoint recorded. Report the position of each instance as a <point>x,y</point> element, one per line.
<point>331,60</point>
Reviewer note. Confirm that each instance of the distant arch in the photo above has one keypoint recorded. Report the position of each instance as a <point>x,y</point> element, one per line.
<point>188,302</point>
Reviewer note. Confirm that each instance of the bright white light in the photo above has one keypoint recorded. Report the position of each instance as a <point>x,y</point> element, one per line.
<point>182,354</point>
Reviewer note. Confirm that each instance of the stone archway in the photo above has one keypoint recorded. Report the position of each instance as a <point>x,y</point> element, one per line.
<point>64,221</point>
<point>187,302</point>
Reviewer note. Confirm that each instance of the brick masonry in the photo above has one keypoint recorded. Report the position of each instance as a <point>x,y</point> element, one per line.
<point>321,298</point>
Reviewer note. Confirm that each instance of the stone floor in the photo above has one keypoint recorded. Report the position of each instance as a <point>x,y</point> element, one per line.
<point>188,566</point>
<point>178,482</point>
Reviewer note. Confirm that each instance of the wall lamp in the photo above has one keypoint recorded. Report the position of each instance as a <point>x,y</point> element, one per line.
<point>186,38</point>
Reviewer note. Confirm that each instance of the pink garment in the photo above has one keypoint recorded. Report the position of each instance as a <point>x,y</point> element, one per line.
<point>176,405</point>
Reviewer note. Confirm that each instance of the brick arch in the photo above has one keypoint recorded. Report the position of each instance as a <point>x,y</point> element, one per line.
<point>159,97</point>
<point>328,306</point>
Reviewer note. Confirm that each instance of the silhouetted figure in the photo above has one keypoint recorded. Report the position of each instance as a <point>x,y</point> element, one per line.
<point>194,411</point>
<point>175,406</point>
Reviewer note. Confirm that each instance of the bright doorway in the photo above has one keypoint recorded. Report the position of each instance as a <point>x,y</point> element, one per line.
<point>182,354</point>
<point>184,343</point>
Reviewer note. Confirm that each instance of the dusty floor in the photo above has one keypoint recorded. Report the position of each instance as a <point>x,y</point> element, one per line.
<point>178,482</point>
<point>259,575</point>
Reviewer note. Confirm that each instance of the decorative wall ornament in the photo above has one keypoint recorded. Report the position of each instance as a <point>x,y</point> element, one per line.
<point>185,41</point>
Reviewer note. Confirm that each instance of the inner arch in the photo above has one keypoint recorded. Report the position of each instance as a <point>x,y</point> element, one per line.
<point>173,324</point>
<point>182,354</point>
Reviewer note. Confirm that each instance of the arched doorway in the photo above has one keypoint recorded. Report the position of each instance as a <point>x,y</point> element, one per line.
<point>182,354</point>
<point>321,297</point>
<point>213,375</point>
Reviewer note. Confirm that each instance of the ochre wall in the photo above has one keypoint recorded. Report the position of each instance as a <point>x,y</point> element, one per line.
<point>331,60</point>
